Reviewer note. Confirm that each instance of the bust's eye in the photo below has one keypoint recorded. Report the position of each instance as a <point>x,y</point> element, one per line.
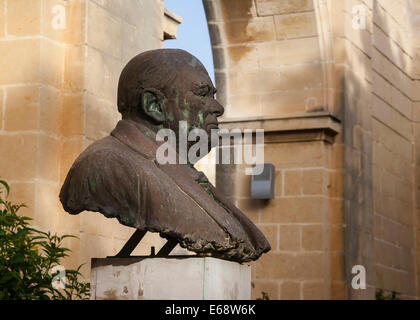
<point>203,92</point>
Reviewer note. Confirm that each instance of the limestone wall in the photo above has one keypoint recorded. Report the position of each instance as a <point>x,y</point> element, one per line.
<point>280,62</point>
<point>58,95</point>
<point>414,8</point>
<point>378,139</point>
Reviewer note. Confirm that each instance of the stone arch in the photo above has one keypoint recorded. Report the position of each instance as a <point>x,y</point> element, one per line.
<point>325,32</point>
<point>262,46</point>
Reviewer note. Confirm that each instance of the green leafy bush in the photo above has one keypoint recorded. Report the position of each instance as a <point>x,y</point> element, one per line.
<point>264,295</point>
<point>30,259</point>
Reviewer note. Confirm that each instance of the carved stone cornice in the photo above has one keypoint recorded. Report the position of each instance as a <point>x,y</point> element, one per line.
<point>317,126</point>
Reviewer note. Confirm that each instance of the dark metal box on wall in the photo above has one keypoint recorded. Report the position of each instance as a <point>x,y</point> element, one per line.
<point>262,185</point>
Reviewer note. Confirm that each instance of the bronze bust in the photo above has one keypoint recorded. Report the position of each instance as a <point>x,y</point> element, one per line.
<point>120,177</point>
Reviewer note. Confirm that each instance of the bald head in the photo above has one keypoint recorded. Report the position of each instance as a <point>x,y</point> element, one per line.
<point>155,69</point>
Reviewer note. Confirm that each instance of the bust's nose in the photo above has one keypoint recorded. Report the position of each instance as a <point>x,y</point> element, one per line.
<point>216,108</point>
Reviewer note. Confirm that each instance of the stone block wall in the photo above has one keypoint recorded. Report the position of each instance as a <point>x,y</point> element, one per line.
<point>378,139</point>
<point>303,223</point>
<point>278,61</point>
<point>58,90</point>
<point>414,8</point>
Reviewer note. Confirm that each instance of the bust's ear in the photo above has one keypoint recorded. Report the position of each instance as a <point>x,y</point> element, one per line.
<point>152,105</point>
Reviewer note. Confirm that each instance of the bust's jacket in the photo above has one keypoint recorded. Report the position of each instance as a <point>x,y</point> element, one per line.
<point>120,177</point>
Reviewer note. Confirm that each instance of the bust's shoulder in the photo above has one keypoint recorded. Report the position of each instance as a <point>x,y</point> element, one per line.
<point>102,179</point>
<point>104,146</point>
<point>105,149</point>
<point>107,156</point>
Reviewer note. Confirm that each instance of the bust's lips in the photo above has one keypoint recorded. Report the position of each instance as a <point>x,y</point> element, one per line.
<point>212,126</point>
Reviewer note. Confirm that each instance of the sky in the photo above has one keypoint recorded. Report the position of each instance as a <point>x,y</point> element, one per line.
<point>193,35</point>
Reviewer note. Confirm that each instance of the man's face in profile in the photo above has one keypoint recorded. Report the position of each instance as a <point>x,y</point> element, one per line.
<point>191,99</point>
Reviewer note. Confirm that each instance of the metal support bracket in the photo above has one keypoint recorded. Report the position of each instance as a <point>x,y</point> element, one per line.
<point>136,238</point>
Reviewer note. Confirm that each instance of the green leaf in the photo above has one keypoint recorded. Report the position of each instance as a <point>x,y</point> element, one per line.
<point>19,258</point>
<point>27,256</point>
<point>5,278</point>
<point>6,186</point>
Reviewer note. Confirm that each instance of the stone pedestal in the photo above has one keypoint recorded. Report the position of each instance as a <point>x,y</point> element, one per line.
<point>170,278</point>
